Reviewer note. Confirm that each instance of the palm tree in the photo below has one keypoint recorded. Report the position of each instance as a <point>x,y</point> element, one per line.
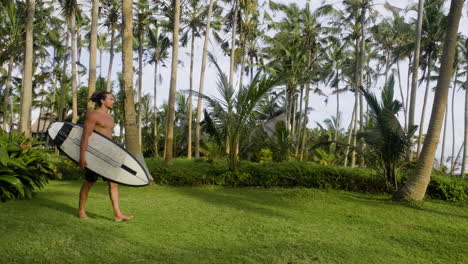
<point>415,187</point>
<point>12,31</point>
<point>92,52</point>
<point>112,17</point>
<point>415,68</point>
<point>202,79</point>
<point>235,110</point>
<point>432,34</point>
<point>142,21</point>
<point>194,23</point>
<point>101,45</point>
<point>131,130</point>
<point>465,142</point>
<point>173,88</point>
<point>26,94</point>
<point>70,8</point>
<point>159,45</point>
<point>388,142</point>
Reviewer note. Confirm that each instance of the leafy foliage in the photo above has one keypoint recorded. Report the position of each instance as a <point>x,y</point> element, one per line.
<point>25,166</point>
<point>387,141</point>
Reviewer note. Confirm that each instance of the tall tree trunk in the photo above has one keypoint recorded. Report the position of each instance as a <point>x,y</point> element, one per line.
<point>304,122</point>
<point>465,141</point>
<point>416,186</point>
<point>173,88</point>
<point>140,82</point>
<point>111,61</point>
<point>350,134</point>
<point>202,80</point>
<point>293,113</point>
<point>26,93</point>
<point>452,168</point>
<point>442,153</point>
<point>414,79</point>
<point>6,96</point>
<point>155,109</point>
<point>299,124</point>
<point>92,53</point>
<point>423,112</point>
<point>233,42</point>
<point>362,58</point>
<point>63,87</point>
<point>401,94</point>
<point>241,78</point>
<point>408,93</point>
<point>131,130</point>
<point>190,113</point>
<point>73,57</point>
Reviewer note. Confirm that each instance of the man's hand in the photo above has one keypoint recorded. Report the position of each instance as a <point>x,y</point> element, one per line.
<point>82,163</point>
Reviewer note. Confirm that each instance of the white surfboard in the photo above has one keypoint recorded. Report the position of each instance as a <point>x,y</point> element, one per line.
<point>104,156</point>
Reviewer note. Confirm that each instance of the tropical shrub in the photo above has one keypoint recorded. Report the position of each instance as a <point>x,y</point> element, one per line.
<point>25,166</point>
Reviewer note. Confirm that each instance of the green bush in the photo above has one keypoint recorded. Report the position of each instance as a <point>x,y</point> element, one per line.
<point>68,169</point>
<point>294,174</point>
<point>25,166</point>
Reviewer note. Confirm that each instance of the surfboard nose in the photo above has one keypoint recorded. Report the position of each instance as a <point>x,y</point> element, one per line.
<point>54,129</point>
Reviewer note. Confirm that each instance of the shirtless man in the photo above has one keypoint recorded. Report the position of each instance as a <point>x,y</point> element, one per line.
<point>100,121</point>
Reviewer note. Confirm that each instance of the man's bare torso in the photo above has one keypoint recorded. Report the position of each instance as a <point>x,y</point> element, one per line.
<point>104,123</point>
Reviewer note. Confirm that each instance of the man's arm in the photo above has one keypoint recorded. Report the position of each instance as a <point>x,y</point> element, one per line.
<point>88,128</point>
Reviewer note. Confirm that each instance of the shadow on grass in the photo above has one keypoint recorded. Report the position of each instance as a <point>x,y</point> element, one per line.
<point>66,209</point>
<point>243,199</point>
<point>387,201</point>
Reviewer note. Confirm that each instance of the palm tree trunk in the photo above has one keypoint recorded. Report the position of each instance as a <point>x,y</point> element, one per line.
<point>131,130</point>
<point>202,80</point>
<point>6,97</point>
<point>452,168</point>
<point>233,42</point>
<point>304,122</point>
<point>173,88</point>
<point>301,120</point>
<point>190,113</point>
<point>74,85</point>
<point>63,87</point>
<point>416,186</point>
<point>140,79</point>
<point>442,153</point>
<point>241,78</point>
<point>423,113</point>
<point>414,79</point>
<point>111,60</point>
<point>350,134</point>
<point>26,93</point>
<point>155,106</point>
<point>293,113</point>
<point>401,94</point>
<point>465,141</point>
<point>92,53</point>
<point>408,93</point>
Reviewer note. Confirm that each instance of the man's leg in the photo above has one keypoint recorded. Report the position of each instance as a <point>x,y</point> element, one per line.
<point>83,197</point>
<point>114,196</point>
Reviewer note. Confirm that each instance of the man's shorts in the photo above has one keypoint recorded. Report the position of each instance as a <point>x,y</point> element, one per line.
<point>91,176</point>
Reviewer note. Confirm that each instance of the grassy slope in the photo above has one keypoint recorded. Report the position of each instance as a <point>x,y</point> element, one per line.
<point>226,225</point>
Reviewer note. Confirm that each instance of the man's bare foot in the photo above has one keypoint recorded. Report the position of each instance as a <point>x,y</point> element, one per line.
<point>123,217</point>
<point>82,215</point>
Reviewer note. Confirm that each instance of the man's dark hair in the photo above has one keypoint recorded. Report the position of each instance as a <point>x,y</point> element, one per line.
<point>98,96</point>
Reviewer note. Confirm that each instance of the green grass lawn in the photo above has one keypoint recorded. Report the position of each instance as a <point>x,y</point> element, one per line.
<point>230,225</point>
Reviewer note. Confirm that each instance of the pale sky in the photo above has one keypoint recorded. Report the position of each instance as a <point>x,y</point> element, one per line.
<point>321,110</point>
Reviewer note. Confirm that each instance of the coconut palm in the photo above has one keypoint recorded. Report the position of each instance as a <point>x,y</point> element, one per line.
<point>173,87</point>
<point>112,17</point>
<point>202,79</point>
<point>141,24</point>
<point>26,94</point>
<point>11,32</point>
<point>131,130</point>
<point>388,143</point>
<point>92,52</point>
<point>158,53</point>
<point>415,187</point>
<point>194,20</point>
<point>235,110</point>
<point>465,142</point>
<point>101,45</point>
